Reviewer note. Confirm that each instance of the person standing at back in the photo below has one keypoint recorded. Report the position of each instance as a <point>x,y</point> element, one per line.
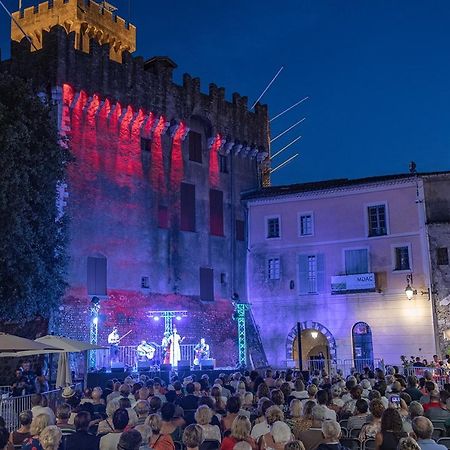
<point>81,439</point>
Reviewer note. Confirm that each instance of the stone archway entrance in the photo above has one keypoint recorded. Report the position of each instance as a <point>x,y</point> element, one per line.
<point>317,344</point>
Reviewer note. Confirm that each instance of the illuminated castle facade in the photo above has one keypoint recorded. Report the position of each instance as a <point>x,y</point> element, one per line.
<point>153,196</point>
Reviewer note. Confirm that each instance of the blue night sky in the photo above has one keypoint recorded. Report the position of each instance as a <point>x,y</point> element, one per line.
<point>377,74</point>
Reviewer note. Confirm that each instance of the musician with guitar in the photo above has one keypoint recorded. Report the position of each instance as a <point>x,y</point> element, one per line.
<point>145,351</point>
<point>113,341</point>
<point>201,352</point>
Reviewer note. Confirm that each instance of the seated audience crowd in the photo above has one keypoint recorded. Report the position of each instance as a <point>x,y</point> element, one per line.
<point>278,410</point>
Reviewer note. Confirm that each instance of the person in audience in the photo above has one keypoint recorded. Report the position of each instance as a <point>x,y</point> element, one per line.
<point>106,426</point>
<point>412,388</point>
<point>40,382</point>
<point>423,430</point>
<point>391,430</point>
<point>62,419</point>
<point>219,400</point>
<point>146,433</point>
<point>323,399</point>
<point>98,401</point>
<point>261,426</point>
<point>157,440</point>
<point>130,440</point>
<point>115,393</point>
<point>18,436</point>
<point>429,386</point>
<point>270,382</point>
<point>38,424</point>
<point>242,445</point>
<point>280,435</point>
<point>50,438</point>
<point>415,409</point>
<point>370,430</point>
<point>37,408</point>
<point>262,391</point>
<point>142,410</point>
<point>295,415</point>
<point>408,443</point>
<point>277,397</point>
<point>82,439</point>
<point>294,445</point>
<point>189,401</point>
<point>155,405</point>
<point>312,392</point>
<point>170,424</point>
<point>336,401</point>
<point>306,420</point>
<point>240,431</point>
<point>299,390</point>
<point>349,407</point>
<point>193,437</point>
<point>273,414</point>
<point>4,444</point>
<point>313,437</point>
<point>232,409</point>
<point>120,421</point>
<point>359,417</point>
<point>125,403</point>
<point>331,431</point>
<point>203,417</point>
<point>437,408</point>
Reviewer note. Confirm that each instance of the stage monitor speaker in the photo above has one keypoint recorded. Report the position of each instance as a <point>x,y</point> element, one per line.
<point>208,364</point>
<point>184,364</point>
<point>117,367</point>
<point>144,365</point>
<point>165,367</point>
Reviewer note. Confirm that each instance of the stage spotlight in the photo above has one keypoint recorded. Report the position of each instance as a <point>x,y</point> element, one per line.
<point>178,317</point>
<point>95,320</point>
<point>156,318</point>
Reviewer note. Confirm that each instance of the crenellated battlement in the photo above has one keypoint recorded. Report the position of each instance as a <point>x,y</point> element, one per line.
<point>87,19</point>
<point>143,84</point>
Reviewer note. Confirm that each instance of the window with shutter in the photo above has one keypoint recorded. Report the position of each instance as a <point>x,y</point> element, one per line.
<point>96,276</point>
<point>311,270</point>
<point>377,220</point>
<point>187,194</point>
<point>356,261</point>
<point>216,212</point>
<point>206,284</point>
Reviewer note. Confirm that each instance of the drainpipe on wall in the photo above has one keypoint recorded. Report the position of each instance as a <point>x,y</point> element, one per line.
<point>421,206</point>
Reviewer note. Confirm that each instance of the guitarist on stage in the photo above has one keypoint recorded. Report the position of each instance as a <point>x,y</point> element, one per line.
<point>113,341</point>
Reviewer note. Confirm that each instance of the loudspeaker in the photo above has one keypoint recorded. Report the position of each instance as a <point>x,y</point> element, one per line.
<point>208,364</point>
<point>144,365</point>
<point>117,367</point>
<point>184,364</point>
<point>165,367</point>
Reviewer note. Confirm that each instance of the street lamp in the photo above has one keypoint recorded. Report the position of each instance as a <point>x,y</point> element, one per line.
<point>409,291</point>
<point>314,334</point>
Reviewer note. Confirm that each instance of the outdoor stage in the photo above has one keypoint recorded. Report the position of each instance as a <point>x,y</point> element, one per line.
<point>100,378</point>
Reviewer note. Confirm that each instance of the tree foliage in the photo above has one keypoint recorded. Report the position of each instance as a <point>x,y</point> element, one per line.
<point>33,258</point>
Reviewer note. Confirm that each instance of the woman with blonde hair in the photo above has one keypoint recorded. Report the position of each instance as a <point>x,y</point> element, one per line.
<point>50,438</point>
<point>295,415</point>
<point>157,440</point>
<point>203,417</point>
<point>38,424</point>
<point>193,437</point>
<point>273,414</point>
<point>240,431</point>
<point>408,443</point>
<point>106,426</point>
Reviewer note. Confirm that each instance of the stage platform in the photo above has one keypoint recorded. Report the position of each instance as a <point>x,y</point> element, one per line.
<point>100,378</point>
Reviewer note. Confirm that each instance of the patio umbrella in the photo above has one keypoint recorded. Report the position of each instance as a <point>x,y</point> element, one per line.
<point>11,345</point>
<point>64,374</point>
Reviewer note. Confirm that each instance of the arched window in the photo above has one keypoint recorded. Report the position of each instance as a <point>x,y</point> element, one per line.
<point>362,345</point>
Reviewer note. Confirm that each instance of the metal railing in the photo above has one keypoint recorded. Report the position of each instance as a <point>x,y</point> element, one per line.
<point>345,366</point>
<point>127,355</point>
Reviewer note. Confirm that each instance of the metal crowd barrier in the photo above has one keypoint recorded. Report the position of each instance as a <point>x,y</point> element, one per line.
<point>346,366</point>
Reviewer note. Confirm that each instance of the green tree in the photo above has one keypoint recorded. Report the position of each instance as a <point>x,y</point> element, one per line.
<point>33,258</point>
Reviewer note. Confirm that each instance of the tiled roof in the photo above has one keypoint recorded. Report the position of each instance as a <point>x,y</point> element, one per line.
<point>289,189</point>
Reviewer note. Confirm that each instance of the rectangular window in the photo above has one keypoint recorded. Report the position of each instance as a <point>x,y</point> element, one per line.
<point>206,284</point>
<point>145,283</point>
<point>273,227</point>
<point>223,164</point>
<point>145,144</point>
<point>311,274</point>
<point>377,220</point>
<point>442,256</point>
<point>187,207</point>
<point>195,146</point>
<point>96,276</point>
<point>306,224</point>
<point>216,212</point>
<point>356,261</point>
<point>402,258</point>
<point>240,230</point>
<point>273,268</point>
<point>163,217</point>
